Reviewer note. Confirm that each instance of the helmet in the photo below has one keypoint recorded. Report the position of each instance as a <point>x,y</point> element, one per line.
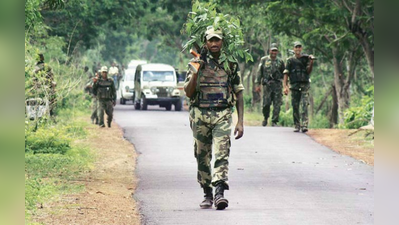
<point>104,69</point>
<point>211,32</point>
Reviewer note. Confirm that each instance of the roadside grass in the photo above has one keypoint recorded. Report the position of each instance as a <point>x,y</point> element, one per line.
<point>55,155</point>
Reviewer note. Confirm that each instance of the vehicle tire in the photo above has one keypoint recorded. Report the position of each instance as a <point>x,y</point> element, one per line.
<point>168,106</point>
<point>136,105</point>
<point>122,101</point>
<point>143,103</point>
<point>178,106</point>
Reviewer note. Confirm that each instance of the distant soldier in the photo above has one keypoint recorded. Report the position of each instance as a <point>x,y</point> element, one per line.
<point>270,75</point>
<point>114,73</point>
<point>94,99</point>
<point>212,90</point>
<point>104,89</point>
<point>87,72</point>
<point>298,72</point>
<point>48,83</point>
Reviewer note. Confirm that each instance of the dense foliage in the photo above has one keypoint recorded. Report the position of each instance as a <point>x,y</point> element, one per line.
<point>204,15</point>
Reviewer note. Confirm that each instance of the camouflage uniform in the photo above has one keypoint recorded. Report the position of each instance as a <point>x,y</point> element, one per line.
<point>49,82</point>
<point>299,85</point>
<point>94,100</point>
<point>106,95</point>
<point>210,119</point>
<point>270,75</point>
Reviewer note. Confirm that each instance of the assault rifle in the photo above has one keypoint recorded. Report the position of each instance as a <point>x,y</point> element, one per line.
<point>290,51</point>
<point>194,65</point>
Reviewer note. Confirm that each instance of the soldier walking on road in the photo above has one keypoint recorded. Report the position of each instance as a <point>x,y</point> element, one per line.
<point>211,90</point>
<point>270,75</point>
<point>104,89</point>
<point>298,72</point>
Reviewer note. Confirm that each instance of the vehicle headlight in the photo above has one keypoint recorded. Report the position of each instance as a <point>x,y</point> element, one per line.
<point>154,90</point>
<point>170,89</point>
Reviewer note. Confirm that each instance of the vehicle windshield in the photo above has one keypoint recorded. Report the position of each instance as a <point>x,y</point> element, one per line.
<point>158,76</point>
<point>129,77</point>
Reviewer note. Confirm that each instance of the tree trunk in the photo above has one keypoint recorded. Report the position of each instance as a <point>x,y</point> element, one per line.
<point>362,31</point>
<point>287,102</point>
<point>311,107</point>
<point>256,97</point>
<point>341,86</point>
<point>368,51</point>
<point>334,108</point>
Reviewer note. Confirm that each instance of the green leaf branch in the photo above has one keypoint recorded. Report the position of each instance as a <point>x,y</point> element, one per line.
<point>204,15</point>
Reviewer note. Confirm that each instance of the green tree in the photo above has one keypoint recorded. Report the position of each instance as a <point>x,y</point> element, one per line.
<point>322,26</point>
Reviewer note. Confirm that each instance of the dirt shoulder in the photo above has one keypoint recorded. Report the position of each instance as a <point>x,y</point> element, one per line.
<point>350,142</point>
<point>107,196</point>
<point>345,142</point>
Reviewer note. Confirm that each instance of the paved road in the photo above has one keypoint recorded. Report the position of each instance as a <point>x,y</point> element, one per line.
<point>277,177</point>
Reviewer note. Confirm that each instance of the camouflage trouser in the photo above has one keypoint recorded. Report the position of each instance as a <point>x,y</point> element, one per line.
<point>300,98</point>
<point>211,129</point>
<point>107,106</point>
<point>94,108</point>
<point>272,94</point>
<point>52,102</point>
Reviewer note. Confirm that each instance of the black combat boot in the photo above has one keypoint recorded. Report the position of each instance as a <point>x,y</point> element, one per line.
<point>220,202</point>
<point>109,124</point>
<point>304,129</point>
<point>297,128</point>
<point>208,198</point>
<point>264,122</point>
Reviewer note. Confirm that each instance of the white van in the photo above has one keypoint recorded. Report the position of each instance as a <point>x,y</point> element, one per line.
<point>156,84</point>
<point>126,87</point>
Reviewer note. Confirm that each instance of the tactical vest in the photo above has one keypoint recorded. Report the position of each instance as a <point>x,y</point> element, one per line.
<point>213,88</point>
<point>271,71</point>
<point>104,89</point>
<point>298,73</point>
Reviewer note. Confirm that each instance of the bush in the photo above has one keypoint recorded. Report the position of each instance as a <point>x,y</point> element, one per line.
<point>49,140</point>
<point>247,102</point>
<point>286,118</point>
<point>319,121</point>
<point>359,116</point>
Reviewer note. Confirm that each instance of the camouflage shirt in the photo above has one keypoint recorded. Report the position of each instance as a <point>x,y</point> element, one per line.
<point>236,81</point>
<point>269,70</point>
<point>290,68</point>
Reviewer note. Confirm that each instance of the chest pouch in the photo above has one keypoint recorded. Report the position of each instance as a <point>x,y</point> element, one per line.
<point>104,90</point>
<point>214,89</point>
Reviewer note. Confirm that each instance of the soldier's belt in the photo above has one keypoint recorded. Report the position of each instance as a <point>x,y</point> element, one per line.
<point>272,80</point>
<point>213,108</point>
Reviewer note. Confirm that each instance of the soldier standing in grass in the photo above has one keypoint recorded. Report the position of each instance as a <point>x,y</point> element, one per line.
<point>212,90</point>
<point>48,83</point>
<point>298,72</point>
<point>270,75</point>
<point>94,105</point>
<point>104,89</point>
